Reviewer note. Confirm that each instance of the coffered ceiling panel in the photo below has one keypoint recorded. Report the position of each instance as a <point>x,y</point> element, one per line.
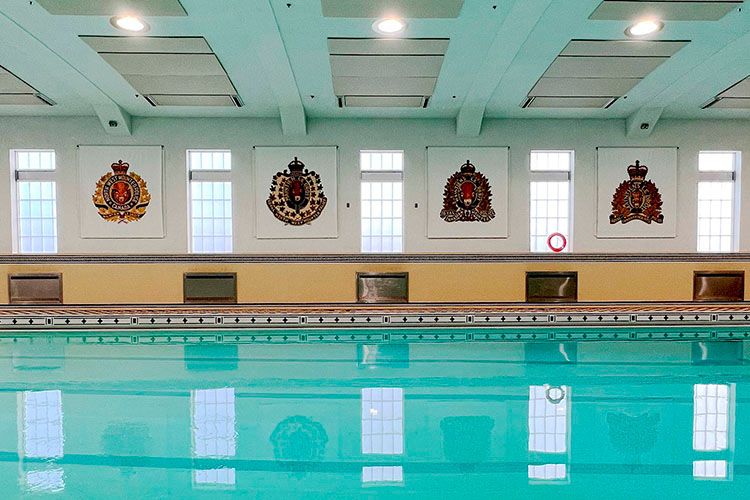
<point>403,8</point>
<point>16,92</point>
<point>666,10</point>
<point>569,102</point>
<point>386,66</point>
<point>383,102</point>
<point>113,7</point>
<point>148,44</point>
<point>163,68</point>
<point>598,69</point>
<point>735,97</point>
<point>388,46</point>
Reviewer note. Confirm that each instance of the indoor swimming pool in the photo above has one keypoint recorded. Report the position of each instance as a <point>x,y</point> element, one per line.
<point>516,420</point>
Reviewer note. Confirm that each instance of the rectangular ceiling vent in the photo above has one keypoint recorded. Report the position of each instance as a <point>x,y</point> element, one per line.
<point>596,73</point>
<point>169,71</point>
<point>735,97</point>
<point>113,7</point>
<point>16,92</point>
<point>380,72</point>
<point>666,10</point>
<point>414,9</point>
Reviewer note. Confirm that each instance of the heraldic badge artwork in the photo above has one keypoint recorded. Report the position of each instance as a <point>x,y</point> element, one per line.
<point>121,196</point>
<point>467,197</point>
<point>637,199</point>
<point>296,195</point>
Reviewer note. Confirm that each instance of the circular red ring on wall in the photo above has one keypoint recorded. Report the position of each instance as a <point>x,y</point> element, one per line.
<point>561,247</point>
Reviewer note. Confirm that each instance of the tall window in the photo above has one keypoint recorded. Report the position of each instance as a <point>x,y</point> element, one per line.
<point>717,224</point>
<point>214,435</point>
<point>35,196</point>
<point>548,431</point>
<point>713,410</point>
<point>382,201</point>
<point>210,201</point>
<point>550,200</point>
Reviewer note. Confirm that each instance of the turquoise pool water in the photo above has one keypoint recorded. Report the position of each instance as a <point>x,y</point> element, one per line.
<point>616,420</point>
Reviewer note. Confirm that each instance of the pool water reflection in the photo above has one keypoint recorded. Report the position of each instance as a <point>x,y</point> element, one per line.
<point>512,420</point>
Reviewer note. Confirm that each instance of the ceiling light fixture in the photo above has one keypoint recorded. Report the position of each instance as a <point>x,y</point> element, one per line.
<point>131,24</point>
<point>644,28</point>
<point>389,26</point>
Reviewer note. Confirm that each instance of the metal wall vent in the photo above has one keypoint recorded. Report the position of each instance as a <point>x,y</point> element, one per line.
<point>735,97</point>
<point>666,10</point>
<point>719,286</point>
<point>382,288</point>
<point>596,73</point>
<point>380,72</point>
<point>169,71</point>
<point>16,92</point>
<point>35,288</point>
<point>403,8</point>
<point>113,7</point>
<point>202,288</point>
<point>551,287</point>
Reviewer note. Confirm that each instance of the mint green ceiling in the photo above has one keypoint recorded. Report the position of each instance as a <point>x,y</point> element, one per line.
<point>277,58</point>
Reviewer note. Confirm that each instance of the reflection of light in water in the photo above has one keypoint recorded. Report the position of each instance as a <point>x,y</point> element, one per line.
<point>384,474</point>
<point>373,411</point>
<point>548,472</point>
<point>223,476</point>
<point>45,480</point>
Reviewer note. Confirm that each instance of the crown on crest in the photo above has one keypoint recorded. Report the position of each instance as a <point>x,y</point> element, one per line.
<point>637,172</point>
<point>296,166</point>
<point>120,168</point>
<point>468,167</point>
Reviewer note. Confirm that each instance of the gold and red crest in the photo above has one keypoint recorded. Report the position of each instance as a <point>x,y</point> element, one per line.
<point>467,197</point>
<point>121,196</point>
<point>297,196</point>
<point>637,198</point>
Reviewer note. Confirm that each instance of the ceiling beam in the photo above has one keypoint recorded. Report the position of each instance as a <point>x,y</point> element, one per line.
<point>521,18</point>
<point>642,122</point>
<point>114,119</point>
<point>258,30</point>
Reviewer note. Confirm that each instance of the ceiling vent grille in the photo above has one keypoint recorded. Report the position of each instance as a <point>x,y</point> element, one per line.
<point>385,73</point>
<point>596,73</point>
<point>666,10</point>
<point>16,92</point>
<point>735,97</point>
<point>169,71</point>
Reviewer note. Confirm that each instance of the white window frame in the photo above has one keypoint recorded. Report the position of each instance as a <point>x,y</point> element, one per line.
<point>384,176</point>
<point>554,176</point>
<point>207,175</point>
<point>722,176</point>
<point>37,175</point>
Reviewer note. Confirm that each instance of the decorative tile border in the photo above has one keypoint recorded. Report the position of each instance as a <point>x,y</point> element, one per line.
<point>376,324</point>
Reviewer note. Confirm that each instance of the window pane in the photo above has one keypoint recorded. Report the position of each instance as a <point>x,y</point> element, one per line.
<point>550,161</point>
<point>210,160</point>
<point>715,216</point>
<point>548,418</point>
<point>710,417</point>
<point>383,421</point>
<point>382,206</point>
<point>211,216</point>
<point>37,216</point>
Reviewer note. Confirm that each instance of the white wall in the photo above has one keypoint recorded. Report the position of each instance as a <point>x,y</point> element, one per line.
<point>240,135</point>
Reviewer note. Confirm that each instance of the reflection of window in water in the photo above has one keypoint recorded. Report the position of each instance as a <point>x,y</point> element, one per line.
<point>42,417</point>
<point>50,480</point>
<point>548,418</point>
<point>214,432</point>
<point>383,474</point>
<point>383,421</point>
<point>215,477</point>
<point>548,472</point>
<point>710,469</point>
<point>710,417</point>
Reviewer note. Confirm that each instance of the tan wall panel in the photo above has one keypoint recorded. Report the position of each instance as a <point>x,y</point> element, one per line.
<point>321,283</point>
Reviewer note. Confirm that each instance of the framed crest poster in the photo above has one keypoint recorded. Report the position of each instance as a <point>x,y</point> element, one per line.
<point>121,191</point>
<point>296,192</point>
<point>636,193</point>
<point>467,192</point>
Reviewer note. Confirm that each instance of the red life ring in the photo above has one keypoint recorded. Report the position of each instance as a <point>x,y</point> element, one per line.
<point>560,248</point>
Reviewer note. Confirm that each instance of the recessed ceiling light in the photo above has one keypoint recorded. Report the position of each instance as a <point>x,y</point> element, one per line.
<point>644,28</point>
<point>131,24</point>
<point>389,26</point>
